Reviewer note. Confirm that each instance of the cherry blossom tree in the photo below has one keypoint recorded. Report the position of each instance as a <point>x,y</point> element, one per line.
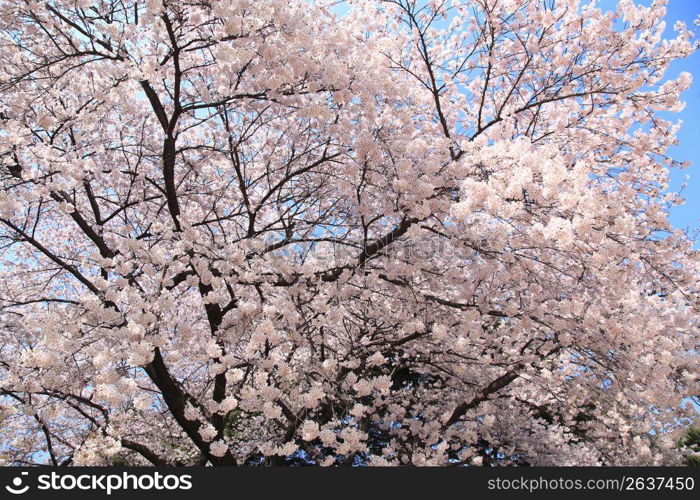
<point>396,232</point>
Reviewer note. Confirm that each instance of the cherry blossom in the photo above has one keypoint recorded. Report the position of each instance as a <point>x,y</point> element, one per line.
<point>398,232</point>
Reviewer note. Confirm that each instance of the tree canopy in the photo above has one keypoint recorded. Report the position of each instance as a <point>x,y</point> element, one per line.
<point>391,232</point>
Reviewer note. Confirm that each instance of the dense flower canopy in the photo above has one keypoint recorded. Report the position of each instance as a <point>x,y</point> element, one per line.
<point>400,231</point>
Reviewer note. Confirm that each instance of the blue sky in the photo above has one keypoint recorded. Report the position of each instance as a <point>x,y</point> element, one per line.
<point>688,215</point>
<point>685,216</point>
